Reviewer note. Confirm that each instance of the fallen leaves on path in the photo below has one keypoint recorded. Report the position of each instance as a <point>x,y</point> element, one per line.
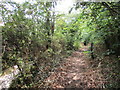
<point>76,72</point>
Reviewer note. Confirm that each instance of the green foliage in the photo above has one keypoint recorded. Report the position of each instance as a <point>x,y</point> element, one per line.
<point>35,38</point>
<point>99,23</point>
<point>29,41</point>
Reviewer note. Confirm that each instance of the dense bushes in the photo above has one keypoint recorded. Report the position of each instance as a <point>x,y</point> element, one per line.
<point>29,41</point>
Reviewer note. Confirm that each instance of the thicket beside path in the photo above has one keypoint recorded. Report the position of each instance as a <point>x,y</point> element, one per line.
<point>76,72</point>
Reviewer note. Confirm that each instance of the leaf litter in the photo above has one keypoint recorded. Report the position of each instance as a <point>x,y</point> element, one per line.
<point>76,72</point>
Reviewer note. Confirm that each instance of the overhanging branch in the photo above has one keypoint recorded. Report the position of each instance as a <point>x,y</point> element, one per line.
<point>111,9</point>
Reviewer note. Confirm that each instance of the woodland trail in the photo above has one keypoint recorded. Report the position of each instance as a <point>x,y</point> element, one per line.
<point>76,72</point>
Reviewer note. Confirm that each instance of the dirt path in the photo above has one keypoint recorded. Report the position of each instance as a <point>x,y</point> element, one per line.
<point>76,72</point>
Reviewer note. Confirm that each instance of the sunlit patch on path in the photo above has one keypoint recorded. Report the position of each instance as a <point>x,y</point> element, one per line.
<point>76,72</point>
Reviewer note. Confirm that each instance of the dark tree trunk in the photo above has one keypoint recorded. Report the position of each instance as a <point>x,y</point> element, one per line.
<point>85,43</point>
<point>91,49</point>
<point>107,43</point>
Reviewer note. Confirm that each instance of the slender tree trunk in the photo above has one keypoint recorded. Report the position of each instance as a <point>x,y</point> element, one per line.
<point>91,49</point>
<point>48,28</point>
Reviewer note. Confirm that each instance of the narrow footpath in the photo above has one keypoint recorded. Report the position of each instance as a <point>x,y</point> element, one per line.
<point>76,72</point>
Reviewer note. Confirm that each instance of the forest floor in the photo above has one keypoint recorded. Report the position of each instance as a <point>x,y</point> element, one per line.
<point>76,72</point>
<point>79,71</point>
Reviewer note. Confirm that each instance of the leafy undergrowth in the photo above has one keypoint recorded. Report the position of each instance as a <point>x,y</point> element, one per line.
<point>109,68</point>
<point>37,75</point>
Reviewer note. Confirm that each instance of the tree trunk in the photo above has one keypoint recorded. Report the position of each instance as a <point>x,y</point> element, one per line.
<point>91,49</point>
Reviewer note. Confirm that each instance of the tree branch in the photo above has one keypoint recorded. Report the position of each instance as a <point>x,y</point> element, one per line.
<point>110,9</point>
